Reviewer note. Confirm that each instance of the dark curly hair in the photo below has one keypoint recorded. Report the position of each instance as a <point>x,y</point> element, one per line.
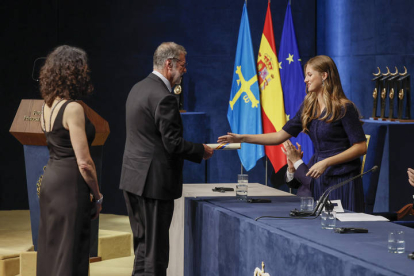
<point>65,74</point>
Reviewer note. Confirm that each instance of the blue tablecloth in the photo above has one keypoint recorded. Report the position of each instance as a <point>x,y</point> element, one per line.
<point>222,238</point>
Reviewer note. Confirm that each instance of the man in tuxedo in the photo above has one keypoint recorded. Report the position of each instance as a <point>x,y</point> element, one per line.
<point>296,171</point>
<point>153,160</point>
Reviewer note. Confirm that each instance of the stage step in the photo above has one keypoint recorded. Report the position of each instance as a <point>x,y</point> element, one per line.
<point>17,255</point>
<point>9,264</point>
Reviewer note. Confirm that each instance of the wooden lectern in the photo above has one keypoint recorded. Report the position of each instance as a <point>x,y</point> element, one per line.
<point>26,128</point>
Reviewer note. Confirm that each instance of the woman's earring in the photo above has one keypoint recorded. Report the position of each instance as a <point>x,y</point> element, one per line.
<point>323,82</point>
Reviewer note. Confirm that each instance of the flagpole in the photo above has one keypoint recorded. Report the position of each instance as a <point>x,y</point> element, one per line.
<point>241,171</point>
<point>266,165</point>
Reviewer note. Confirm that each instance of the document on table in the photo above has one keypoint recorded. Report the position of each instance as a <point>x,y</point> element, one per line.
<point>359,217</point>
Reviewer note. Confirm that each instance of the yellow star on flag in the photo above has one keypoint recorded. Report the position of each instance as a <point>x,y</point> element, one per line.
<point>290,58</point>
<point>280,65</point>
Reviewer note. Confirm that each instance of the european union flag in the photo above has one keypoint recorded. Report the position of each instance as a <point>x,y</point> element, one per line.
<point>291,75</point>
<point>244,113</point>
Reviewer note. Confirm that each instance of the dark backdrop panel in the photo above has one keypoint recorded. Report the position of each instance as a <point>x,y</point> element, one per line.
<point>120,38</point>
<point>361,35</point>
<point>27,31</point>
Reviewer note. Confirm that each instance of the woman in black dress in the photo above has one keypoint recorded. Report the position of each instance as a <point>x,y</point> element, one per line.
<point>70,176</point>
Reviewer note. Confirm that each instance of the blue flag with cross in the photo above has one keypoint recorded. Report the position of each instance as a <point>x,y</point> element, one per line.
<point>244,112</point>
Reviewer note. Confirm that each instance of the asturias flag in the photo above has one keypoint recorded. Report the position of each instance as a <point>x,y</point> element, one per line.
<point>291,74</point>
<point>273,110</point>
<point>244,108</point>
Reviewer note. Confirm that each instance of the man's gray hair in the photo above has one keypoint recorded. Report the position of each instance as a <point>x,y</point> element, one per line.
<point>166,51</point>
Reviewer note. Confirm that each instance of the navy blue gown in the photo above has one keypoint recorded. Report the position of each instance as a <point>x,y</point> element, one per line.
<point>330,139</point>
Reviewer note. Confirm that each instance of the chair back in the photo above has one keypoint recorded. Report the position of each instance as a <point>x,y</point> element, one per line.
<point>375,139</point>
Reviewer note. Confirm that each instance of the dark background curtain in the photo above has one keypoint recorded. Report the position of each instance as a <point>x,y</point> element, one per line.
<point>120,38</point>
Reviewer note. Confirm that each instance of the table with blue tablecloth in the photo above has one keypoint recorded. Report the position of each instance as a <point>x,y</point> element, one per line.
<point>223,238</point>
<point>176,262</point>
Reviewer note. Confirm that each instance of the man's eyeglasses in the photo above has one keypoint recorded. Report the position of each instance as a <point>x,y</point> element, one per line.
<point>183,64</point>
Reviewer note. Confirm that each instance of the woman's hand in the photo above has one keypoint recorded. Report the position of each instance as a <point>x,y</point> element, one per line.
<point>98,210</point>
<point>318,169</point>
<point>230,138</point>
<point>98,206</point>
<point>410,173</point>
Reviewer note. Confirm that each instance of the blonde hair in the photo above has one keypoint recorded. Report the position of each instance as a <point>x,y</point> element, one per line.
<point>333,94</point>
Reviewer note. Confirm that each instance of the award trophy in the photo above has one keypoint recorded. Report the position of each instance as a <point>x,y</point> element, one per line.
<point>383,90</point>
<point>404,93</point>
<point>391,81</point>
<point>376,78</point>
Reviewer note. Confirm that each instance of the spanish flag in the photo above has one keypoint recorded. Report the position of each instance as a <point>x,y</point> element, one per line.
<point>273,109</point>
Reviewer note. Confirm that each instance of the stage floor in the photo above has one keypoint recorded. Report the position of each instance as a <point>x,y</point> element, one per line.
<point>15,238</point>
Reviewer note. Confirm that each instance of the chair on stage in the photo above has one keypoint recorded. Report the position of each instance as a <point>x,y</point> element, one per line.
<point>375,147</point>
<point>405,216</point>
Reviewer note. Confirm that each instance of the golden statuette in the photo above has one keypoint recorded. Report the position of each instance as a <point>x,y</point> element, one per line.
<point>375,94</point>
<point>258,272</point>
<point>405,72</point>
<point>178,89</point>
<point>392,93</point>
<point>377,74</point>
<point>383,93</point>
<point>401,94</point>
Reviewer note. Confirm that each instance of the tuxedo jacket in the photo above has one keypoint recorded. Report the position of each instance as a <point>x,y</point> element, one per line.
<point>155,148</point>
<point>301,182</point>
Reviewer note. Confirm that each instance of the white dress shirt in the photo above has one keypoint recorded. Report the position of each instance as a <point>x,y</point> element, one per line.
<point>164,79</point>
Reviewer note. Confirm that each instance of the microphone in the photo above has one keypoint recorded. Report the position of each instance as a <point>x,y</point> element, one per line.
<point>296,214</point>
<point>324,197</point>
<point>37,68</point>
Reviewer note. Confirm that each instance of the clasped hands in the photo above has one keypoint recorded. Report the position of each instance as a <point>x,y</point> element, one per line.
<point>294,154</point>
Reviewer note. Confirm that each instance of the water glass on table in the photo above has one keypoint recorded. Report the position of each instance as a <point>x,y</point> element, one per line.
<point>242,186</point>
<point>306,204</point>
<point>396,242</point>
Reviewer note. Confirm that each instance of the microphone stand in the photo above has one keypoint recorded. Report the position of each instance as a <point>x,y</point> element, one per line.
<point>295,214</point>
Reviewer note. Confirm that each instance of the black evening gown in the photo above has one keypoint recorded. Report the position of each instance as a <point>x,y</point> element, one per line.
<point>65,207</point>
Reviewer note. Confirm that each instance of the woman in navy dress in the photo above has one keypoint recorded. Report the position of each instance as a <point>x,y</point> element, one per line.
<point>332,122</point>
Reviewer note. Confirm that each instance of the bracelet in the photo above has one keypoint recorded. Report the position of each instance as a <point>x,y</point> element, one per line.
<point>99,201</point>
